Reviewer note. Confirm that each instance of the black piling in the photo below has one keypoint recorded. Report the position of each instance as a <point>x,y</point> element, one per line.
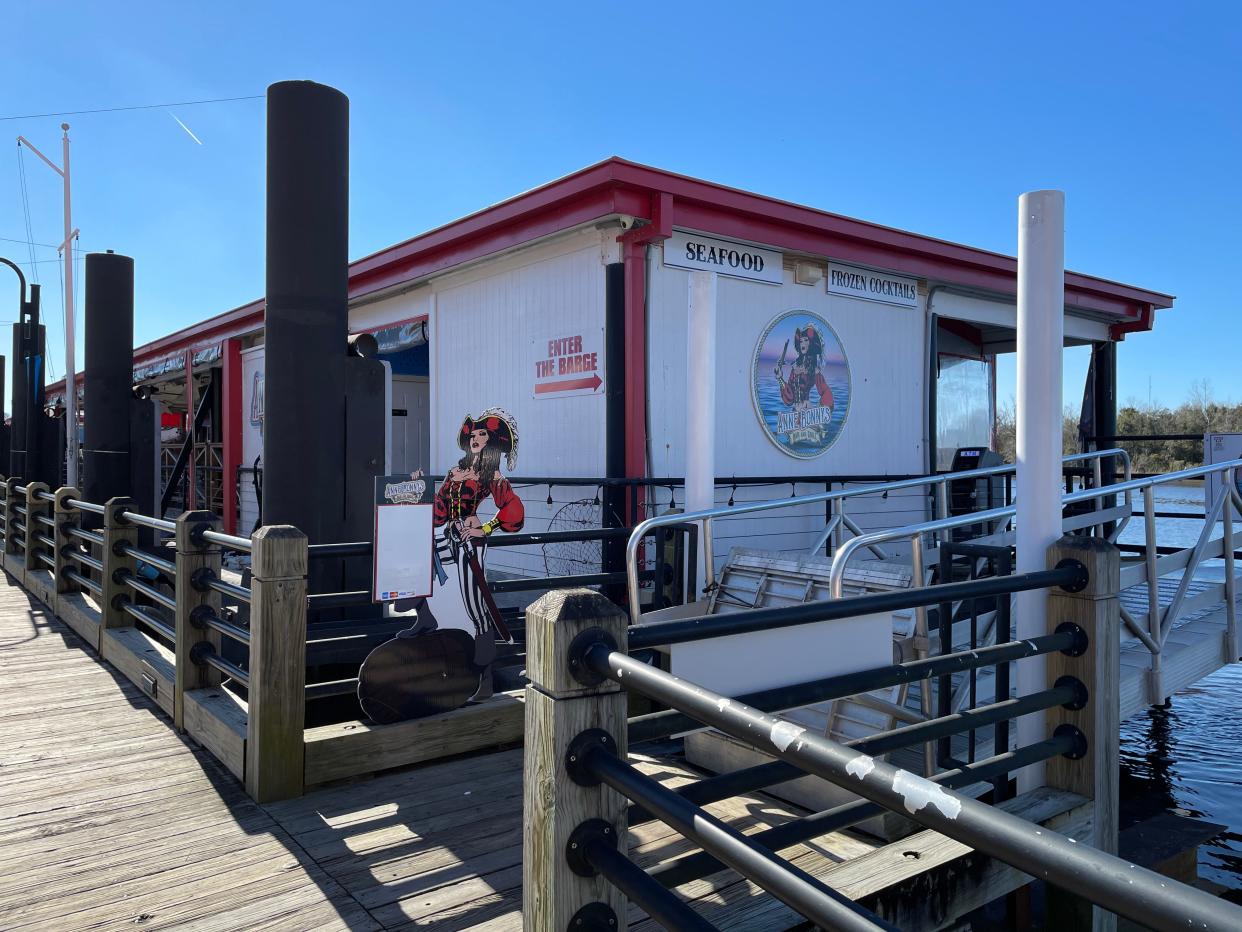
<point>307,315</point>
<point>109,376</point>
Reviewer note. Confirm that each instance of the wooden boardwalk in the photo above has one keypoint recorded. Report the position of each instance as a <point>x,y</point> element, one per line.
<point>110,820</point>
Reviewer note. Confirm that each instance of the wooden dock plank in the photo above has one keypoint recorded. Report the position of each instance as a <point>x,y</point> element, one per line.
<point>109,819</point>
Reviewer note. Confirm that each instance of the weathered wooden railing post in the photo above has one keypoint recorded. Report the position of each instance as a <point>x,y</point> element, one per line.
<point>10,516</point>
<point>66,518</point>
<point>558,709</point>
<point>1097,611</point>
<point>192,556</point>
<point>275,748</point>
<point>35,506</point>
<point>116,530</point>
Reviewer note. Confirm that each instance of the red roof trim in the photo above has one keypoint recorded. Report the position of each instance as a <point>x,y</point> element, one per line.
<point>617,186</point>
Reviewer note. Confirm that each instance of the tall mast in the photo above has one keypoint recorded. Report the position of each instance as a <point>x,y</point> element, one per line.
<point>66,247</point>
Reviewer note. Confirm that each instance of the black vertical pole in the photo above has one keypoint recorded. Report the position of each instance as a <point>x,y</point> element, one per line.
<point>34,404</point>
<point>17,428</point>
<point>613,551</point>
<point>109,376</point>
<point>933,378</point>
<point>307,315</point>
<point>4,428</point>
<point>1106,412</point>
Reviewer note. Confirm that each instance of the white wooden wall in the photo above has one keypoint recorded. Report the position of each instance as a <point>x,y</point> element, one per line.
<point>488,325</point>
<point>883,434</point>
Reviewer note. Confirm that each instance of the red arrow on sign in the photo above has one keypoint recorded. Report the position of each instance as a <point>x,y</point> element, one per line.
<point>593,383</point>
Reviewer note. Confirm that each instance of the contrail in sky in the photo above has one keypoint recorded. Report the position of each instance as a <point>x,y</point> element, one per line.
<point>186,128</point>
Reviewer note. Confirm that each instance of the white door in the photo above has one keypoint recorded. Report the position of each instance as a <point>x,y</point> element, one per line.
<point>411,423</point>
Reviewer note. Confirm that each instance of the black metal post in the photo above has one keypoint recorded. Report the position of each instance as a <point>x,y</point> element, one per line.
<point>1105,370</point>
<point>306,319</point>
<point>613,551</point>
<point>109,376</point>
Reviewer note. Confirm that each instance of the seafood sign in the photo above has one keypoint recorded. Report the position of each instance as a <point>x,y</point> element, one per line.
<point>800,384</point>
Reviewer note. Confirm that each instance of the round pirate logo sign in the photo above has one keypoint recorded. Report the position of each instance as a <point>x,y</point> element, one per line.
<point>800,382</point>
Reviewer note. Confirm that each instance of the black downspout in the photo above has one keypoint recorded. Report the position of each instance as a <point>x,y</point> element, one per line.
<point>933,376</point>
<point>614,496</point>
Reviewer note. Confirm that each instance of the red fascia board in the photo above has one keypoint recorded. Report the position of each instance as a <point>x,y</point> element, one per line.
<point>918,264</point>
<point>438,257</point>
<point>689,192</point>
<point>480,222</point>
<point>240,320</point>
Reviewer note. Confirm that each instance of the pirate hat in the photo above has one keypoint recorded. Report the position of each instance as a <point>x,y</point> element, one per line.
<point>500,424</point>
<point>811,334</point>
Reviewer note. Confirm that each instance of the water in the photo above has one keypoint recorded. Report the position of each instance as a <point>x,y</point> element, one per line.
<point>1187,759</point>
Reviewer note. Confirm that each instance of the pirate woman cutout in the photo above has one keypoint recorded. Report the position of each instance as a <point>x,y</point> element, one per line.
<point>445,658</point>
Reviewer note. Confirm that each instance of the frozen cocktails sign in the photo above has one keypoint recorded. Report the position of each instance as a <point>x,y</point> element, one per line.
<point>800,382</point>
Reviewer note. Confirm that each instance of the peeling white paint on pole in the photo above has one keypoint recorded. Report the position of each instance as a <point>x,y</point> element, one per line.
<point>783,734</point>
<point>918,792</point>
<point>860,766</point>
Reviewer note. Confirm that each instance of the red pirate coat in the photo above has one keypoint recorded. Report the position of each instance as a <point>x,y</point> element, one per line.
<point>797,387</point>
<point>456,501</point>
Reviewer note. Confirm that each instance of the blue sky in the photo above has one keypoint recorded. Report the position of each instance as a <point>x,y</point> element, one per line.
<point>928,117</point>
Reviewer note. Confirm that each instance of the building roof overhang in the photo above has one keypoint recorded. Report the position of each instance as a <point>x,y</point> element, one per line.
<point>616,186</point>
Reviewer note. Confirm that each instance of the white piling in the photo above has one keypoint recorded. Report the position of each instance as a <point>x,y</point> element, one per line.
<point>700,401</point>
<point>1041,326</point>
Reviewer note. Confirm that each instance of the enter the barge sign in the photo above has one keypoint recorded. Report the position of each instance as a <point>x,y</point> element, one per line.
<point>569,364</point>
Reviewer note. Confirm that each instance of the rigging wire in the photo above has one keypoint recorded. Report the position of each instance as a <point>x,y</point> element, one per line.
<point>21,174</point>
<point>180,103</point>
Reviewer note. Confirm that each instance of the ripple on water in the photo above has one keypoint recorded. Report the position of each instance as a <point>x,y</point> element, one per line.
<point>1188,759</point>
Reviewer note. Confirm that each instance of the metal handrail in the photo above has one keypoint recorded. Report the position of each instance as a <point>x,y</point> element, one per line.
<point>85,559</point>
<point>210,619</point>
<point>45,496</point>
<point>45,540</point>
<point>91,537</point>
<point>938,482</point>
<point>241,593</point>
<point>669,721</point>
<point>132,550</point>
<point>1068,575</point>
<point>204,653</point>
<point>143,614</point>
<point>914,531</point>
<point>45,520</point>
<point>169,602</point>
<point>84,581</point>
<point>156,524</point>
<point>1109,881</point>
<point>232,541</point>
<point>90,507</point>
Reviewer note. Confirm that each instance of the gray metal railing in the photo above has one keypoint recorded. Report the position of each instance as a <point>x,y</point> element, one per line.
<point>580,656</point>
<point>937,484</point>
